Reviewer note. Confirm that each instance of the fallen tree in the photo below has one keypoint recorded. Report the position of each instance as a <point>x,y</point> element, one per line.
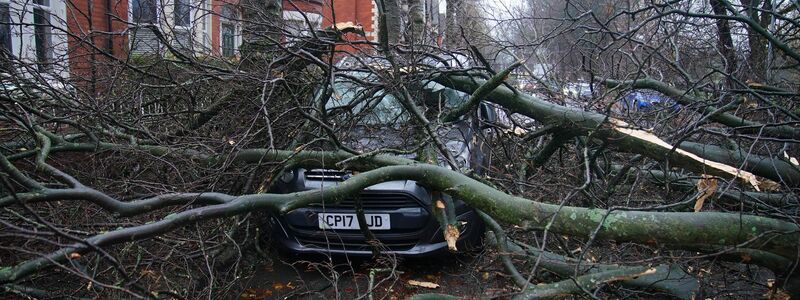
<point>675,230</point>
<point>715,114</point>
<point>712,232</point>
<point>605,128</point>
<point>217,154</point>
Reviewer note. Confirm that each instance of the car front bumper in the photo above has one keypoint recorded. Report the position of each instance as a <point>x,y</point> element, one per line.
<point>426,241</point>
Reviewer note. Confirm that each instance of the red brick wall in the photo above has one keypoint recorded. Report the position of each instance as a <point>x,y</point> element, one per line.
<point>90,54</point>
<point>359,12</point>
<point>90,31</point>
<point>216,37</point>
<point>216,7</point>
<point>308,6</point>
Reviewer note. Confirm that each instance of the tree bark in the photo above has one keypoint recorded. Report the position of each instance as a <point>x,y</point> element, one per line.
<point>768,167</point>
<point>390,22</point>
<point>757,58</point>
<point>452,31</point>
<point>684,98</point>
<point>725,41</point>
<point>416,16</point>
<point>674,229</point>
<point>615,132</point>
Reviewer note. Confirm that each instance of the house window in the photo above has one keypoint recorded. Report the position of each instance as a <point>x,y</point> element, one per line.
<point>228,40</point>
<point>203,16</point>
<point>228,13</point>
<point>204,8</point>
<point>299,24</point>
<point>42,35</point>
<point>5,27</point>
<point>228,18</point>
<point>143,11</point>
<point>182,13</point>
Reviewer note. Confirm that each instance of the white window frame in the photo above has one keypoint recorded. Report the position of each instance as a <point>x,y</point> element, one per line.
<point>237,31</point>
<point>23,36</point>
<point>187,27</point>
<point>158,19</point>
<point>293,17</point>
<point>205,13</point>
<point>134,24</point>
<point>48,10</point>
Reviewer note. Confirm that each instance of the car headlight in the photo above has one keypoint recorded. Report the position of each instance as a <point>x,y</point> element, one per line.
<point>287,176</point>
<point>459,152</point>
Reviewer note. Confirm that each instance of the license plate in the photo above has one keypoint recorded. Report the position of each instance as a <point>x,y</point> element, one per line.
<point>350,221</point>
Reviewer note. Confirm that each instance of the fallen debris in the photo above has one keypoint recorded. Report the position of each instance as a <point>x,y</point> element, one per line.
<point>425,284</point>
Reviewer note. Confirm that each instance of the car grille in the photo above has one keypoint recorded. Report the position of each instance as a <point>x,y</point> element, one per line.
<point>355,240</point>
<point>326,175</point>
<point>337,244</point>
<point>371,200</point>
<point>396,240</point>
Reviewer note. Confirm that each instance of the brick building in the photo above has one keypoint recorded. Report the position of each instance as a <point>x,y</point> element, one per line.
<point>360,12</point>
<point>96,36</point>
<point>114,29</point>
<point>296,12</point>
<point>78,38</point>
<point>365,14</point>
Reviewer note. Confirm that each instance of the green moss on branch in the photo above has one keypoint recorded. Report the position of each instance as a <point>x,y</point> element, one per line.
<point>672,228</point>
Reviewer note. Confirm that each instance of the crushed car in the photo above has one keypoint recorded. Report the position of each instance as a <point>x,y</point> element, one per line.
<point>401,213</point>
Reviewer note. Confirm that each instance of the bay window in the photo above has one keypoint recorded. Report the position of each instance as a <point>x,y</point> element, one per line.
<point>144,11</point>
<point>182,13</point>
<point>228,17</point>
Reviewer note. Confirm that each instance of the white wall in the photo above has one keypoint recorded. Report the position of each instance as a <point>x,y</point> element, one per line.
<point>23,44</point>
<point>200,15</point>
<point>296,23</point>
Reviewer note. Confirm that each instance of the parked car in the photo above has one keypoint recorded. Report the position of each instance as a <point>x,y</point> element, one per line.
<point>399,213</point>
<point>647,100</point>
<point>577,90</point>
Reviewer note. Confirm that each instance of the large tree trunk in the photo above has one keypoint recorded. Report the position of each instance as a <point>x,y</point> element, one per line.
<point>768,167</point>
<point>262,31</point>
<point>390,22</point>
<point>725,41</point>
<point>711,230</point>
<point>416,17</point>
<point>452,31</point>
<point>757,58</point>
<point>685,98</point>
<point>615,132</point>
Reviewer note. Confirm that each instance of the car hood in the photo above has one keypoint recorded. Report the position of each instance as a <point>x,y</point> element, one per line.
<point>455,137</point>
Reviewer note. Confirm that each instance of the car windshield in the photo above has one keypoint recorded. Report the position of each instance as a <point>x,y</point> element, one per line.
<point>379,107</point>
<point>374,107</point>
